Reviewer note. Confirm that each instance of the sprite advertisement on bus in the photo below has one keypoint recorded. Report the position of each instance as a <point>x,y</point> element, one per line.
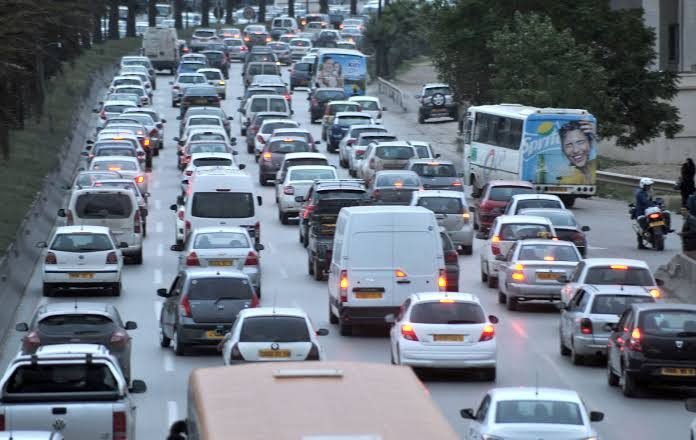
<point>346,71</point>
<point>560,150</point>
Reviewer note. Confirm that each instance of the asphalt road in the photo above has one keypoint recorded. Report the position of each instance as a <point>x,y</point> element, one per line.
<point>527,340</point>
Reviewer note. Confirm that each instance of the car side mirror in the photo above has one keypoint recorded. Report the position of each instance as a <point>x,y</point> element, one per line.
<point>562,279</point>
<point>585,229</point>
<point>299,199</point>
<point>259,200</point>
<point>241,166</point>
<point>137,387</point>
<point>242,111</point>
<point>259,247</point>
<point>233,141</point>
<point>384,109</point>
<point>322,332</point>
<point>179,153</point>
<point>61,212</point>
<point>660,282</point>
<point>164,121</point>
<point>163,293</point>
<point>173,207</point>
<point>95,110</point>
<point>41,245</point>
<point>467,413</point>
<point>131,325</point>
<point>178,118</point>
<point>123,245</point>
<point>500,257</point>
<point>89,142</point>
<point>493,319</point>
<point>390,319</point>
<point>175,138</point>
<point>177,247</point>
<point>596,416</point>
<point>230,118</point>
<point>22,327</point>
<point>690,405</point>
<point>482,235</point>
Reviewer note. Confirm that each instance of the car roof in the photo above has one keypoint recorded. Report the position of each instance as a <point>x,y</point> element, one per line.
<point>534,393</point>
<point>398,172</point>
<point>593,262</point>
<point>394,144</point>
<point>280,131</point>
<point>431,296</point>
<point>213,229</point>
<point>310,167</point>
<point>363,98</point>
<point>283,138</point>
<point>548,210</point>
<point>440,193</point>
<point>427,161</point>
<point>110,158</point>
<point>520,183</point>
<point>55,308</point>
<point>62,349</point>
<point>273,311</point>
<point>205,272</point>
<point>209,69</point>
<point>82,228</point>
<point>618,289</point>
<point>376,134</point>
<point>212,154</point>
<point>130,103</point>
<point>351,114</point>
<point>534,197</point>
<point>341,101</point>
<point>285,119</point>
<point>524,219</point>
<point>432,85</point>
<point>306,155</point>
<point>642,307</point>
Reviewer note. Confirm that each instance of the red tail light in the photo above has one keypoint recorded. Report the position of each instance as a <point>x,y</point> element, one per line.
<point>31,342</point>
<point>189,172</point>
<point>111,258</point>
<point>180,214</point>
<point>187,226</point>
<point>70,220</point>
<point>185,306</point>
<point>118,338</point>
<point>408,332</point>
<point>634,342</point>
<point>257,232</point>
<point>255,301</point>
<point>495,245</point>
<point>586,326</point>
<point>51,258</point>
<point>2,422</point>
<point>136,222</point>
<point>119,426</point>
<point>488,333</point>
<point>655,215</point>
<point>442,280</point>
<point>351,141</point>
<point>192,259</point>
<point>236,355</point>
<point>252,259</point>
<point>140,179</point>
<point>313,354</point>
<point>287,97</point>
<point>102,115</point>
<point>451,257</point>
<point>289,190</point>
<point>307,211</point>
<point>343,285</point>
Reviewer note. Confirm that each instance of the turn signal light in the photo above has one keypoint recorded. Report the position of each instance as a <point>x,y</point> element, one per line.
<point>267,156</point>
<point>655,293</point>
<point>408,333</point>
<point>518,276</point>
<point>51,258</point>
<point>442,280</point>
<point>343,285</point>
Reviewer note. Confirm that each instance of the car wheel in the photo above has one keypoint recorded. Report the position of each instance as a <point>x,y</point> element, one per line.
<point>179,348</point>
<point>502,298</point>
<point>511,303</point>
<point>305,239</point>
<point>561,346</point>
<point>224,96</point>
<point>318,271</point>
<point>352,173</point>
<point>629,387</point>
<point>282,217</point>
<point>47,289</point>
<point>250,149</point>
<point>164,341</point>
<point>333,319</point>
<point>345,329</point>
<point>612,378</point>
<point>343,163</point>
<point>466,250</point>
<point>144,230</point>
<point>174,104</point>
<point>492,281</point>
<point>484,275</point>
<point>391,356</point>
<point>116,289</point>
<point>489,374</point>
<point>310,265</point>
<point>421,119</point>
<point>262,180</point>
<point>575,358</point>
<point>242,131</point>
<point>138,258</point>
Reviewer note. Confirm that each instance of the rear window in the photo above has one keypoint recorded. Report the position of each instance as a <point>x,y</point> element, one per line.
<point>134,90</point>
<point>268,128</point>
<point>619,274</point>
<point>677,323</point>
<point>312,174</point>
<point>447,313</point>
<point>521,231</point>
<point>89,179</point>
<point>305,161</point>
<point>505,193</point>
<point>277,105</point>
<point>347,121</point>
<point>394,153</point>
<point>284,147</point>
<point>274,329</point>
<point>221,240</point>
<point>204,121</point>
<point>548,252</point>
<point>368,139</point>
<point>301,67</point>
<point>344,107</point>
<point>115,108</point>
<point>104,206</point>
<point>208,148</point>
<point>442,205</point>
<point>397,180</point>
<point>208,137</point>
<point>76,324</point>
<point>115,151</point>
<point>65,378</point>
<point>233,42</point>
<point>213,56</point>
<point>434,90</point>
<point>81,243</point>
<point>538,411</point>
<point>115,165</point>
<point>617,304</point>
<point>557,218</point>
<point>538,203</point>
<point>222,205</point>
<point>218,288</point>
<point>258,105</point>
<point>299,43</point>
<point>369,105</point>
<point>212,162</point>
<point>204,34</point>
<point>422,151</point>
<point>330,95</point>
<point>434,170</point>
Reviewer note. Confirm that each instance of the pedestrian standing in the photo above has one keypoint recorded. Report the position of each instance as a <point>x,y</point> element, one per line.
<point>686,180</point>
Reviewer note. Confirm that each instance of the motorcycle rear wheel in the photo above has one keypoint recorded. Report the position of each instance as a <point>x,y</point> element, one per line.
<point>658,240</point>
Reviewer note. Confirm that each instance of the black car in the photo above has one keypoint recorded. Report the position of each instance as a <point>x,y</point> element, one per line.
<point>199,96</point>
<point>217,59</point>
<point>320,97</point>
<point>653,343</point>
<point>257,38</point>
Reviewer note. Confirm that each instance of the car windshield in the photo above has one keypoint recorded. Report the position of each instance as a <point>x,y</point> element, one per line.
<point>87,179</point>
<point>284,147</point>
<point>213,289</point>
<point>538,411</point>
<point>212,162</point>
<point>394,153</point>
<point>269,127</point>
<point>617,304</point>
<point>133,90</point>
<point>521,231</point>
<point>203,34</point>
<point>422,151</point>
<point>115,165</point>
<point>619,274</point>
<point>214,56</point>
<point>548,252</point>
<point>397,181</point>
<point>233,42</point>
<point>538,203</point>
<point>434,170</point>
<point>344,107</point>
<point>330,95</point>
<point>368,105</point>
<point>204,121</point>
<point>207,137</point>
<point>274,329</point>
<point>81,242</point>
<point>347,121</point>
<point>369,139</point>
<point>442,205</point>
<point>61,378</point>
<point>221,240</point>
<point>126,81</point>
<point>207,148</point>
<point>212,75</point>
<point>674,323</point>
<point>77,324</point>
<point>435,90</point>
<point>447,312</point>
<point>311,174</point>
<point>222,205</point>
<point>115,151</point>
<point>505,193</point>
<point>557,218</point>
<point>107,206</point>
<point>301,67</point>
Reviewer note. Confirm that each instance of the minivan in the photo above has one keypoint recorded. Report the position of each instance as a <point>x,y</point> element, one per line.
<point>374,267</point>
<point>262,103</point>
<point>115,208</point>
<point>259,68</point>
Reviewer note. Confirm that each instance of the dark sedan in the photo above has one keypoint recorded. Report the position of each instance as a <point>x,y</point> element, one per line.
<point>320,97</point>
<point>394,187</point>
<point>273,153</point>
<point>565,225</point>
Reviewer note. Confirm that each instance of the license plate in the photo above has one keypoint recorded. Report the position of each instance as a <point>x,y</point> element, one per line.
<point>199,101</point>
<point>548,275</point>
<point>274,354</point>
<point>655,224</point>
<point>221,262</point>
<point>212,334</point>
<point>82,275</point>
<point>448,338</point>
<point>369,295</point>
<point>558,189</point>
<point>678,371</point>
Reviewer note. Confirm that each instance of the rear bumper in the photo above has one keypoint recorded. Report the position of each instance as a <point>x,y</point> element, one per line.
<point>651,371</point>
<point>195,334</point>
<point>288,204</point>
<point>365,315</point>
<point>588,346</point>
<point>534,291</point>
<point>448,357</point>
<point>98,277</point>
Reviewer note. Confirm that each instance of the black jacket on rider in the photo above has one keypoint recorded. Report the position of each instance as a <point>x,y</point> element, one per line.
<point>688,234</point>
<point>643,201</point>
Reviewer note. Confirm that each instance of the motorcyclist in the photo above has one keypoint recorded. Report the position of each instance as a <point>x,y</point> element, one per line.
<point>644,200</point>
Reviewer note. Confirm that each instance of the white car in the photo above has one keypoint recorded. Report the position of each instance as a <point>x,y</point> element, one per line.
<point>199,160</point>
<point>183,81</point>
<point>452,213</point>
<point>125,165</point>
<point>299,47</point>
<point>272,334</point>
<point>267,128</point>
<point>216,79</point>
<point>370,105</point>
<point>444,330</point>
<point>345,147</point>
<point>141,91</point>
<point>82,257</point>
<point>202,120</point>
<point>523,413</point>
<point>519,202</point>
<point>179,221</point>
<point>297,181</point>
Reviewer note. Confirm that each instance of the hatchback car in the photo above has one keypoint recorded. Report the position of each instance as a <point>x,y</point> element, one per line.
<point>492,200</point>
<point>236,49</point>
<point>299,47</point>
<point>201,305</point>
<point>345,146</point>
<point>296,182</point>
<point>452,213</point>
<point>437,174</point>
<point>370,105</point>
<point>273,153</point>
<point>82,257</point>
<point>359,148</point>
<point>216,79</point>
<point>300,75</point>
<point>266,129</point>
<point>282,51</point>
<point>444,330</point>
<point>530,269</point>
<point>565,224</point>
<point>394,187</point>
<point>385,156</point>
<point>451,261</point>
<point>126,166</point>
<point>274,334</point>
<point>295,159</point>
<point>518,202</point>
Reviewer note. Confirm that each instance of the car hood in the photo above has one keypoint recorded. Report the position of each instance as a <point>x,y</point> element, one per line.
<point>540,431</point>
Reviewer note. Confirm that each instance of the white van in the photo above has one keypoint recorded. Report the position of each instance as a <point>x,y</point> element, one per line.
<point>115,208</point>
<point>222,197</point>
<point>160,45</point>
<point>285,23</point>
<point>381,255</point>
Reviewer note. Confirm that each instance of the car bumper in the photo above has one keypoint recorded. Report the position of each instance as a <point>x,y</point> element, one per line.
<point>288,204</point>
<point>434,112</point>
<point>299,81</point>
<point>534,291</point>
<point>448,357</point>
<point>97,276</point>
<point>196,334</point>
<point>652,371</point>
<point>366,315</point>
<point>587,346</point>
<point>463,237</point>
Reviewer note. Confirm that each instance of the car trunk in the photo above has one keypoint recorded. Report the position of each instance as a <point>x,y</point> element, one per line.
<point>546,272</point>
<point>227,258</point>
<point>671,335</point>
<point>218,300</point>
<point>435,335</point>
<point>77,418</point>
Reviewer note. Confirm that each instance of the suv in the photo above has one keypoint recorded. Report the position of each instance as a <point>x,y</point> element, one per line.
<point>322,204</point>
<point>436,101</point>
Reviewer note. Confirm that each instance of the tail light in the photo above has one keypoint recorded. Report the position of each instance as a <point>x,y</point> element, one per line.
<point>254,301</point>
<point>375,194</point>
<point>111,258</point>
<point>408,332</point>
<point>140,179</point>
<point>267,156</point>
<point>31,342</point>
<point>185,306</point>
<point>252,259</point>
<point>655,215</point>
<point>287,97</point>
<point>350,141</point>
<point>118,338</point>
<point>586,326</point>
<point>102,115</point>
<point>308,211</point>
<point>442,280</point>
<point>247,39</point>
<point>236,355</point>
<point>456,183</point>
<point>343,286</point>
<point>2,422</point>
<point>634,342</point>
<point>189,172</point>
<point>495,245</point>
<point>136,222</point>
<point>187,226</point>
<point>243,48</point>
<point>313,353</point>
<point>70,220</point>
<point>451,256</point>
<point>260,139</point>
<point>655,293</point>
<point>51,258</point>
<point>488,333</point>
<point>289,190</point>
<point>192,259</point>
<point>180,214</point>
<point>119,426</point>
<point>466,216</point>
<point>518,274</point>
<point>268,39</point>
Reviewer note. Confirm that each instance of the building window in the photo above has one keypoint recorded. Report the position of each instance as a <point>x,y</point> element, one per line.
<point>673,42</point>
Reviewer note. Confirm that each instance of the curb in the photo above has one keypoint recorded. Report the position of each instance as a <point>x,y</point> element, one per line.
<point>679,275</point>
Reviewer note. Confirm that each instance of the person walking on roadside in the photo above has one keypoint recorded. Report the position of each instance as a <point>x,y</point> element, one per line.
<point>686,180</point>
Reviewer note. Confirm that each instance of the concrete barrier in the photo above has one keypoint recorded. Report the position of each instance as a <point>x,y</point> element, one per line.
<point>679,276</point>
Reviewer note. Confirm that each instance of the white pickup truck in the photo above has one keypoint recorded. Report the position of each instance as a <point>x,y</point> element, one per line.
<point>75,389</point>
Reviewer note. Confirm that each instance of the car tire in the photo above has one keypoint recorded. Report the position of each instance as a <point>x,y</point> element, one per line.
<point>164,341</point>
<point>250,149</point>
<point>345,329</point>
<point>333,319</point>
<point>490,374</point>
<point>484,275</point>
<point>352,173</point>
<point>466,250</point>
<point>116,289</point>
<point>262,180</point>
<point>575,358</point>
<point>138,258</point>
<point>179,348</point>
<point>47,290</point>
<point>318,271</point>
<point>421,119</point>
<point>391,356</point>
<point>310,266</point>
<point>562,349</point>
<point>305,240</point>
<point>612,378</point>
<point>242,131</point>
<point>224,96</point>
<point>144,230</point>
<point>511,303</point>
<point>173,104</point>
<point>282,217</point>
<point>343,163</point>
<point>629,386</point>
<point>492,281</point>
<point>502,298</point>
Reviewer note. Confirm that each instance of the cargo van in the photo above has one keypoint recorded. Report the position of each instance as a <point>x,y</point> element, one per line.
<point>222,197</point>
<point>324,401</point>
<point>160,45</point>
<point>115,208</point>
<point>381,255</point>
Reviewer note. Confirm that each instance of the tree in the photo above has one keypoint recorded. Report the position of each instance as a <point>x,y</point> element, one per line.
<point>291,8</point>
<point>262,11</point>
<point>151,13</point>
<point>229,16</point>
<point>130,20</point>
<point>178,10</point>
<point>205,13</point>
<point>353,7</point>
<point>323,6</point>
<point>113,19</point>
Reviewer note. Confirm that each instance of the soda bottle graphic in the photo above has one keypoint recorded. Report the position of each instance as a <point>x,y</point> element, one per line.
<point>541,169</point>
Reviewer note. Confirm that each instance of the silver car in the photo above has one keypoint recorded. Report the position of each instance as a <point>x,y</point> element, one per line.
<point>531,268</point>
<point>583,329</point>
<point>452,212</point>
<point>31,435</point>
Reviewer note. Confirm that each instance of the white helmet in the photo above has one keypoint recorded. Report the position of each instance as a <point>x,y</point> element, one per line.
<point>646,181</point>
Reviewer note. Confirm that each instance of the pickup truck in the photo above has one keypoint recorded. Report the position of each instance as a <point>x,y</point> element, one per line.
<point>77,390</point>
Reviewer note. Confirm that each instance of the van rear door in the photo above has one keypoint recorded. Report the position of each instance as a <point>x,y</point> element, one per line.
<point>113,208</point>
<point>416,266</point>
<point>371,270</point>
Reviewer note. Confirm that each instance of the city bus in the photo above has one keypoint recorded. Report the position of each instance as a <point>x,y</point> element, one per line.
<point>553,148</point>
<point>343,68</point>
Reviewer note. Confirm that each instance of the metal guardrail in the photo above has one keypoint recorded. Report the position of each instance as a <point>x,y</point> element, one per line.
<point>388,89</point>
<point>663,186</point>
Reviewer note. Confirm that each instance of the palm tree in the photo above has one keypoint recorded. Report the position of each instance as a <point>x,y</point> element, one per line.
<point>205,13</point>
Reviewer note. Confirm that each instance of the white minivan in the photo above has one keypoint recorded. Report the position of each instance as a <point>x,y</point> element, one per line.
<point>222,197</point>
<point>381,255</point>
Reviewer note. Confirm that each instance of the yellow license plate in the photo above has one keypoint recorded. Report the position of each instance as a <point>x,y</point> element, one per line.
<point>548,275</point>
<point>274,354</point>
<point>369,295</point>
<point>82,275</point>
<point>212,334</point>
<point>448,338</point>
<point>679,371</point>
<point>558,189</point>
<point>221,262</point>
<point>655,224</point>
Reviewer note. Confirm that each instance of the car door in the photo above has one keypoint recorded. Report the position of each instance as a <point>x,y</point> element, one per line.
<point>170,308</point>
<point>570,313</point>
<point>504,267</point>
<point>477,425</point>
<point>617,340</point>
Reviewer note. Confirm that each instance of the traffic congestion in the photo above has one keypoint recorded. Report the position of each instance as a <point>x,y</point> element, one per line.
<point>247,198</point>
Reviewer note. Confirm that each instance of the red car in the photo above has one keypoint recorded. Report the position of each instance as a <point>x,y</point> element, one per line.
<point>494,198</point>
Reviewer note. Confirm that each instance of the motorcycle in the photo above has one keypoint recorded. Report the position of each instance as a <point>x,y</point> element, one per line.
<point>652,226</point>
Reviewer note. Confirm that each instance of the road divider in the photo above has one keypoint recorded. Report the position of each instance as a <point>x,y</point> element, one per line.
<point>391,91</point>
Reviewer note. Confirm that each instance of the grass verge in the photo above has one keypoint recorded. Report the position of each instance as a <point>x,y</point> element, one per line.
<point>33,151</point>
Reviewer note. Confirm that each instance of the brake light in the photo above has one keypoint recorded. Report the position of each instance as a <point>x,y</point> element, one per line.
<point>118,338</point>
<point>268,39</point>
<point>289,190</point>
<point>31,342</point>
<point>140,179</point>
<point>192,259</point>
<point>408,332</point>
<point>187,226</point>
<point>70,220</point>
<point>243,48</point>
<point>634,343</point>
<point>466,216</point>
<point>252,259</point>
<point>51,258</point>
<point>618,267</point>
<point>343,285</point>
<point>267,156</point>
<point>254,301</point>
<point>111,258</point>
<point>247,39</point>
<point>350,141</point>
<point>308,211</point>
<point>488,333</point>
<point>2,422</point>
<point>586,326</point>
<point>313,353</point>
<point>654,215</point>
<point>118,426</point>
<point>180,214</point>
<point>287,97</point>
<point>136,222</point>
<point>189,172</point>
<point>442,280</point>
<point>451,256</point>
<point>495,245</point>
<point>185,306</point>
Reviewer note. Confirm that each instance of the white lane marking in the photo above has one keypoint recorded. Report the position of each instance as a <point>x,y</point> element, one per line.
<point>518,329</point>
<point>172,412</point>
<point>158,309</point>
<point>283,273</point>
<point>270,248</point>
<point>159,227</point>
<point>157,276</point>
<point>160,250</point>
<point>168,361</point>
<point>158,204</point>
<point>595,248</point>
